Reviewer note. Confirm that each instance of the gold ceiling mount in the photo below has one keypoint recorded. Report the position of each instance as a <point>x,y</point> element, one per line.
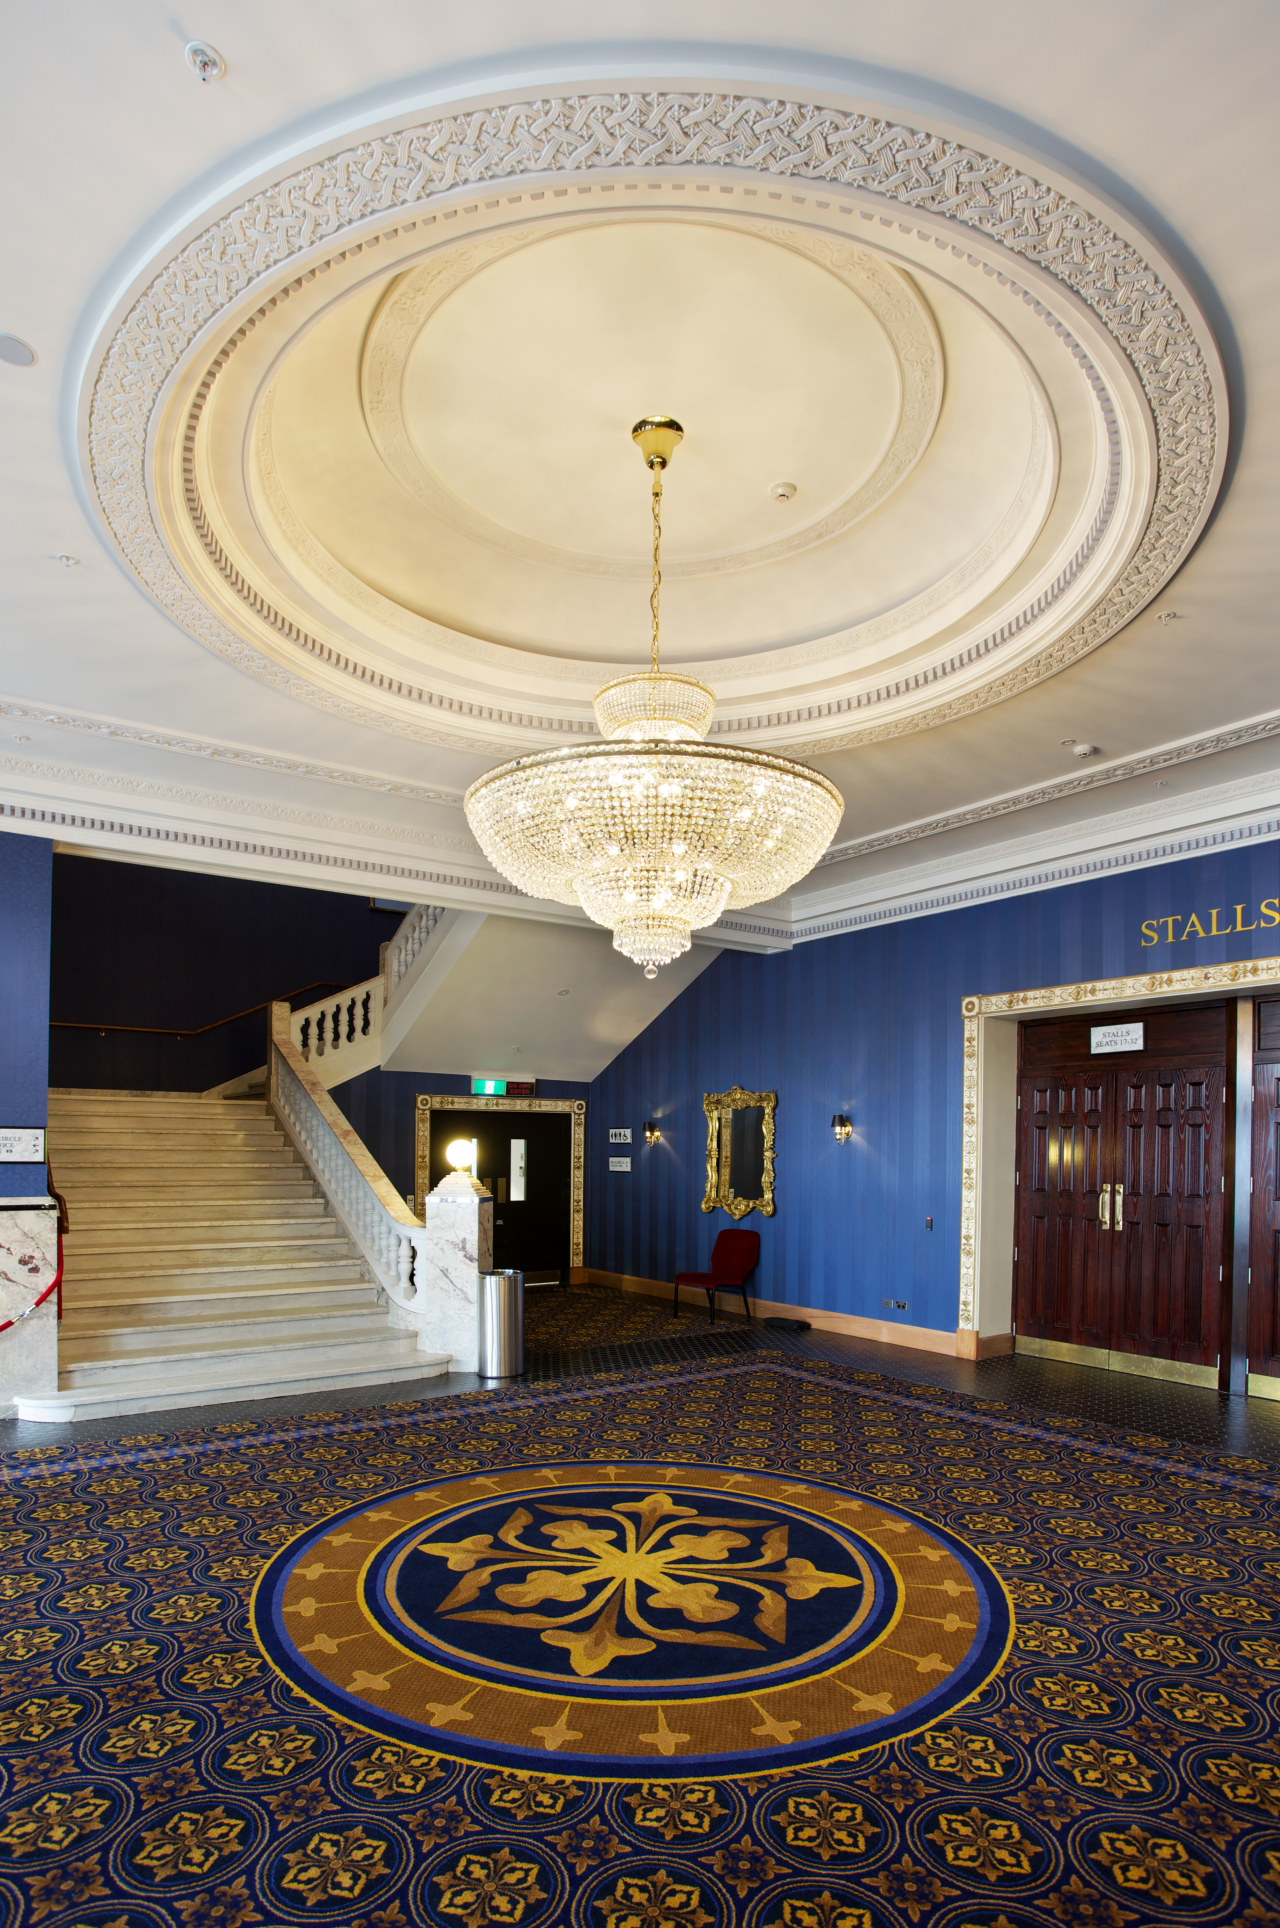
<point>657,437</point>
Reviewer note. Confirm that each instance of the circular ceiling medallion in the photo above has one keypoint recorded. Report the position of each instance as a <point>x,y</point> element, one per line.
<point>317,429</point>
<point>665,1621</point>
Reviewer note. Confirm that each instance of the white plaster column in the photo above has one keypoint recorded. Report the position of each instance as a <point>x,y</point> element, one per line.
<point>454,1247</point>
<point>28,1263</point>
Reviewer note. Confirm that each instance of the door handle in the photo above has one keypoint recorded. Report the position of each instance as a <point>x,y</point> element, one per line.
<point>1104,1208</point>
<point>1119,1225</point>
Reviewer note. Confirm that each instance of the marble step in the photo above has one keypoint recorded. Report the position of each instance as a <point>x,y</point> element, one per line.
<point>296,1357</point>
<point>248,1377</point>
<point>86,1343</point>
<point>149,1110</point>
<point>149,1305</point>
<point>123,1154</point>
<point>66,1138</point>
<point>173,1200</point>
<point>175,1276</point>
<point>328,1243</point>
<point>112,1227</point>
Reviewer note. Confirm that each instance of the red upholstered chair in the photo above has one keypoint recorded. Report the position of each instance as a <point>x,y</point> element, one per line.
<point>733,1259</point>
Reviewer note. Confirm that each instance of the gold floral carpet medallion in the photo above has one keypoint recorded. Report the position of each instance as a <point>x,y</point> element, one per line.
<point>653,1620</point>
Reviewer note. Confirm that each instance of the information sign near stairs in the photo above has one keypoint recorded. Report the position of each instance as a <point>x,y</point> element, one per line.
<point>203,1264</point>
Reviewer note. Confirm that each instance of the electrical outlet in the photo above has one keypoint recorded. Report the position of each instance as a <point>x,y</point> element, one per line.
<point>899,1305</point>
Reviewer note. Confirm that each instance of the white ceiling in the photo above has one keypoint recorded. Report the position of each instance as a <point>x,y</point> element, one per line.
<point>120,731</point>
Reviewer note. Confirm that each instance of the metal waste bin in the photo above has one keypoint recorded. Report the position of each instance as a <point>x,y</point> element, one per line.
<point>501,1311</point>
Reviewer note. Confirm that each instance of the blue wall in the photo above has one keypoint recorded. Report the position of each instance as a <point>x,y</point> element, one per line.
<point>870,1025</point>
<point>26,868</point>
<point>134,944</point>
<point>382,1107</point>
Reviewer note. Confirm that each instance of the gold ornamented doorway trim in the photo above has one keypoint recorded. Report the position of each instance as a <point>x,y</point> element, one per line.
<point>576,1108</point>
<point>989,1126</point>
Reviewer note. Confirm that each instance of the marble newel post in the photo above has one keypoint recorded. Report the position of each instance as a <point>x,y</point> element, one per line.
<point>455,1247</point>
<point>28,1263</point>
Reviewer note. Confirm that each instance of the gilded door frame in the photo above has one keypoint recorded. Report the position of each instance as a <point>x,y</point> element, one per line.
<point>576,1108</point>
<point>989,1119</point>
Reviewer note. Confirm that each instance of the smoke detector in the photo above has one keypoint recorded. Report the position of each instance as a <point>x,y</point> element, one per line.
<point>1086,749</point>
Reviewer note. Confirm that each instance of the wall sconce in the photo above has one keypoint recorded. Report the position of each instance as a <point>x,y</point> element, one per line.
<point>652,1135</point>
<point>842,1128</point>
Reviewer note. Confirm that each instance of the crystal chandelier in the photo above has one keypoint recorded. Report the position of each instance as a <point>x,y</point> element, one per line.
<point>654,832</point>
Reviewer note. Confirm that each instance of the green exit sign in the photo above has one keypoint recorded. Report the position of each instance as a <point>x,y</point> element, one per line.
<point>488,1087</point>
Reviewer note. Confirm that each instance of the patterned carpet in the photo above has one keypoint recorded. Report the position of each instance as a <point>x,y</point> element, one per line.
<point>560,1319</point>
<point>159,1770</point>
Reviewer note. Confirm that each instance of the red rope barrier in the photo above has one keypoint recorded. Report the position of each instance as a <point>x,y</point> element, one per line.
<point>55,1285</point>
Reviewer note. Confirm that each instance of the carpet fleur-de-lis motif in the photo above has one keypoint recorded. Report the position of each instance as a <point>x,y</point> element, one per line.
<point>601,1558</point>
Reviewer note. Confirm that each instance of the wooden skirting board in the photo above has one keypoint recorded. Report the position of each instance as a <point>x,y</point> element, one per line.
<point>884,1332</point>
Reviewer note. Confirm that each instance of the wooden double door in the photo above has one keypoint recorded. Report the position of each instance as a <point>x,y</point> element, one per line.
<point>1120,1189</point>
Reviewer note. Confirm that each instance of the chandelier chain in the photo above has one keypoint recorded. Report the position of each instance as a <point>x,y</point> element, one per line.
<point>657,560</point>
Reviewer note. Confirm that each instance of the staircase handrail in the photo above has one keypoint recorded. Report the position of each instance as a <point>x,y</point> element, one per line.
<point>368,1204</point>
<point>409,939</point>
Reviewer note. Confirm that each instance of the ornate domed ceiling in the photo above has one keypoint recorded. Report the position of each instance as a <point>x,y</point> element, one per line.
<point>949,420</point>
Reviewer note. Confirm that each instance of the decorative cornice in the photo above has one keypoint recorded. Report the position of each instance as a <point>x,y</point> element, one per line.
<point>217,752</point>
<point>151,790</point>
<point>1045,877</point>
<point>361,194</point>
<point>162,835</point>
<point>1166,756</point>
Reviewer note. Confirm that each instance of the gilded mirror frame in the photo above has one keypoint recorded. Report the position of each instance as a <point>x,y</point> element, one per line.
<point>719,1105</point>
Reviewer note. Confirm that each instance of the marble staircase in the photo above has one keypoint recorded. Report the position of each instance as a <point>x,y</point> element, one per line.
<point>204,1264</point>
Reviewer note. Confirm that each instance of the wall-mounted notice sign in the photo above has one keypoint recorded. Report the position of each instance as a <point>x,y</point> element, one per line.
<point>620,1134</point>
<point>1116,1037</point>
<point>21,1146</point>
<point>619,1164</point>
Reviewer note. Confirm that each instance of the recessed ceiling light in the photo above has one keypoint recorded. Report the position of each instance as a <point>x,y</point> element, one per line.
<point>20,354</point>
<point>562,993</point>
<point>67,561</point>
<point>22,739</point>
<point>1066,741</point>
<point>205,61</point>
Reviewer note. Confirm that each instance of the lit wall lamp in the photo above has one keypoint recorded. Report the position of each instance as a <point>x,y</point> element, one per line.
<point>842,1128</point>
<point>652,1135</point>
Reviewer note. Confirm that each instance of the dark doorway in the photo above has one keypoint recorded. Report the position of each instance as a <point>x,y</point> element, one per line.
<point>1119,1186</point>
<point>531,1234</point>
<point>1264,1242</point>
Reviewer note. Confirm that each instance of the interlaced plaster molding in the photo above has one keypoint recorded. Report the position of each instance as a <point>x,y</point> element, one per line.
<point>1167,756</point>
<point>915,174</point>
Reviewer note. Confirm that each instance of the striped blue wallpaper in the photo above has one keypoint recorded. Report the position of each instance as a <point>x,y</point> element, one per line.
<point>869,1025</point>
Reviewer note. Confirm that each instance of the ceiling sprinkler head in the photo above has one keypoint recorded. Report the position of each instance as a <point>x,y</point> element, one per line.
<point>205,61</point>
